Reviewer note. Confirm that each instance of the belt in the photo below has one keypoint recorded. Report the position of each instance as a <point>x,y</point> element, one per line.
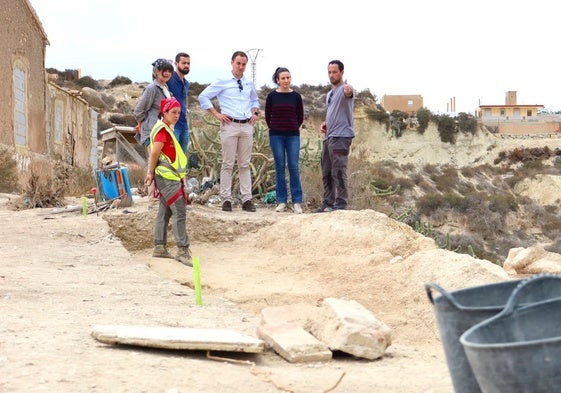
<point>240,121</point>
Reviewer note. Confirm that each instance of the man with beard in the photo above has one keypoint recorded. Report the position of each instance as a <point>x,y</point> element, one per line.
<point>179,87</point>
<point>338,135</point>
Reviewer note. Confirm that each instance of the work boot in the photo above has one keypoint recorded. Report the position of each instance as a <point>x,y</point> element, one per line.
<point>248,206</point>
<point>184,256</point>
<point>227,206</point>
<point>160,251</point>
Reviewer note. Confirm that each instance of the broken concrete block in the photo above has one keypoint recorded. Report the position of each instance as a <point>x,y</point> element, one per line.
<point>347,326</point>
<point>294,343</point>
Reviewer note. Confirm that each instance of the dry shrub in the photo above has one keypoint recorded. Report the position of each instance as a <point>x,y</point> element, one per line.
<point>312,185</point>
<point>80,181</point>
<point>45,184</point>
<point>446,180</point>
<point>8,172</point>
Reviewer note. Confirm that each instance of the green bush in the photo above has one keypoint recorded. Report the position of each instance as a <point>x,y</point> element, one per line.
<point>447,128</point>
<point>365,95</point>
<point>120,80</point>
<point>88,81</point>
<point>379,116</point>
<point>423,117</point>
<point>467,123</point>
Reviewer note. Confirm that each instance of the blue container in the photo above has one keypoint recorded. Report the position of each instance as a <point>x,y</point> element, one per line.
<point>519,350</point>
<point>111,181</point>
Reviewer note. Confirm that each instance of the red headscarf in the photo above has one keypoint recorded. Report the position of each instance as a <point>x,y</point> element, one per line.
<point>168,103</point>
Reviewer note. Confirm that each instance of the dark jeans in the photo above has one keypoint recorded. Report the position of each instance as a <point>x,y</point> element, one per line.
<point>286,152</point>
<point>334,160</point>
<point>182,136</point>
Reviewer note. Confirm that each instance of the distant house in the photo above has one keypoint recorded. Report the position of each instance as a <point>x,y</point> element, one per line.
<point>514,118</point>
<point>404,103</point>
<point>510,110</point>
<point>39,120</point>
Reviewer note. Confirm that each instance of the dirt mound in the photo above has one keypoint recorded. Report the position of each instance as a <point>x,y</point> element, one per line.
<point>284,258</point>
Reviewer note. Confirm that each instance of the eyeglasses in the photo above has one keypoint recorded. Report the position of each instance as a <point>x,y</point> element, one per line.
<point>240,84</point>
<point>330,97</point>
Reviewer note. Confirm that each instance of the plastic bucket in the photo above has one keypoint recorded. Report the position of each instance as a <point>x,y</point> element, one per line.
<point>519,350</point>
<point>458,311</point>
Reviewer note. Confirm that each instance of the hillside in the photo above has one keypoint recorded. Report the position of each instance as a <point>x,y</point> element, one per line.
<point>482,195</point>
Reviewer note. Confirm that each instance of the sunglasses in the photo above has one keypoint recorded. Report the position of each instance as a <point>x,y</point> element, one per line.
<point>330,97</point>
<point>240,85</point>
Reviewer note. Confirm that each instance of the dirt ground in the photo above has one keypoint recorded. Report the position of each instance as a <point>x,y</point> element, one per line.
<point>61,273</point>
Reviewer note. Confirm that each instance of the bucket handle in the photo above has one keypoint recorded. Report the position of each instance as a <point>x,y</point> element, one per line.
<point>511,304</point>
<point>433,286</point>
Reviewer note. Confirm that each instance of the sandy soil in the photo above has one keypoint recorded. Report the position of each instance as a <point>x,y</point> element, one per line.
<point>61,273</point>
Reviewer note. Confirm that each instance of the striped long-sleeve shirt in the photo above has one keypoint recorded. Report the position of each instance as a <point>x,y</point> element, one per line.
<point>284,113</point>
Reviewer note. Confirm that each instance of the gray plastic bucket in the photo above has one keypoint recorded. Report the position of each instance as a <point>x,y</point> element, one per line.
<point>458,311</point>
<point>519,350</point>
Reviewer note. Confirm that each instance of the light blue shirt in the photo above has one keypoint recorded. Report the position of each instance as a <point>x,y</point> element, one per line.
<point>235,103</point>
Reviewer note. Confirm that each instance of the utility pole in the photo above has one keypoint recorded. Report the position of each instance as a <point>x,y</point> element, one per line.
<point>252,54</point>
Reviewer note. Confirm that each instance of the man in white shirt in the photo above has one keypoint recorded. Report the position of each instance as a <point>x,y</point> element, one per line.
<point>239,105</point>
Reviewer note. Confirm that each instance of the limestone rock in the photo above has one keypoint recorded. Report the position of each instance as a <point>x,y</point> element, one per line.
<point>532,260</point>
<point>347,326</point>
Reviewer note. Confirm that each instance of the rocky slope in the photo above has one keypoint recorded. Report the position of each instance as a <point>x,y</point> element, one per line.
<point>483,195</point>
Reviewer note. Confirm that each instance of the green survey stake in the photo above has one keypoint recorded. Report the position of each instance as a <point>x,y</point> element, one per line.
<point>197,280</point>
<point>84,206</point>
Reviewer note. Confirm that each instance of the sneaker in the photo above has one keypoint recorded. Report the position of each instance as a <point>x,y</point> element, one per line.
<point>281,208</point>
<point>184,256</point>
<point>227,206</point>
<point>325,209</point>
<point>297,208</point>
<point>160,251</point>
<point>248,206</point>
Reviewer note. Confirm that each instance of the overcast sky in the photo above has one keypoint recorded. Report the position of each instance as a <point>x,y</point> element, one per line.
<point>474,50</point>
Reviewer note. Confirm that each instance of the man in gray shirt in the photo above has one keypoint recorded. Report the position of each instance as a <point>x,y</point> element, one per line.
<point>339,133</point>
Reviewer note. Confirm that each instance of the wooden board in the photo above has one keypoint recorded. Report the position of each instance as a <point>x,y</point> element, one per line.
<point>178,338</point>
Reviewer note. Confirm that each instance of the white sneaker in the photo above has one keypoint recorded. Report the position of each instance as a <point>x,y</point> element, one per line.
<point>281,208</point>
<point>297,208</point>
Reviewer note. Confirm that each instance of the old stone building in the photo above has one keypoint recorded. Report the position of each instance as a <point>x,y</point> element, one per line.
<point>38,119</point>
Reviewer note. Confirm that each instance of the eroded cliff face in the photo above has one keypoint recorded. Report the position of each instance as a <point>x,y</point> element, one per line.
<point>427,148</point>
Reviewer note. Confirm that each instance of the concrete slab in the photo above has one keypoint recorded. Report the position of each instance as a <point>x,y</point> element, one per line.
<point>178,338</point>
<point>294,343</point>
